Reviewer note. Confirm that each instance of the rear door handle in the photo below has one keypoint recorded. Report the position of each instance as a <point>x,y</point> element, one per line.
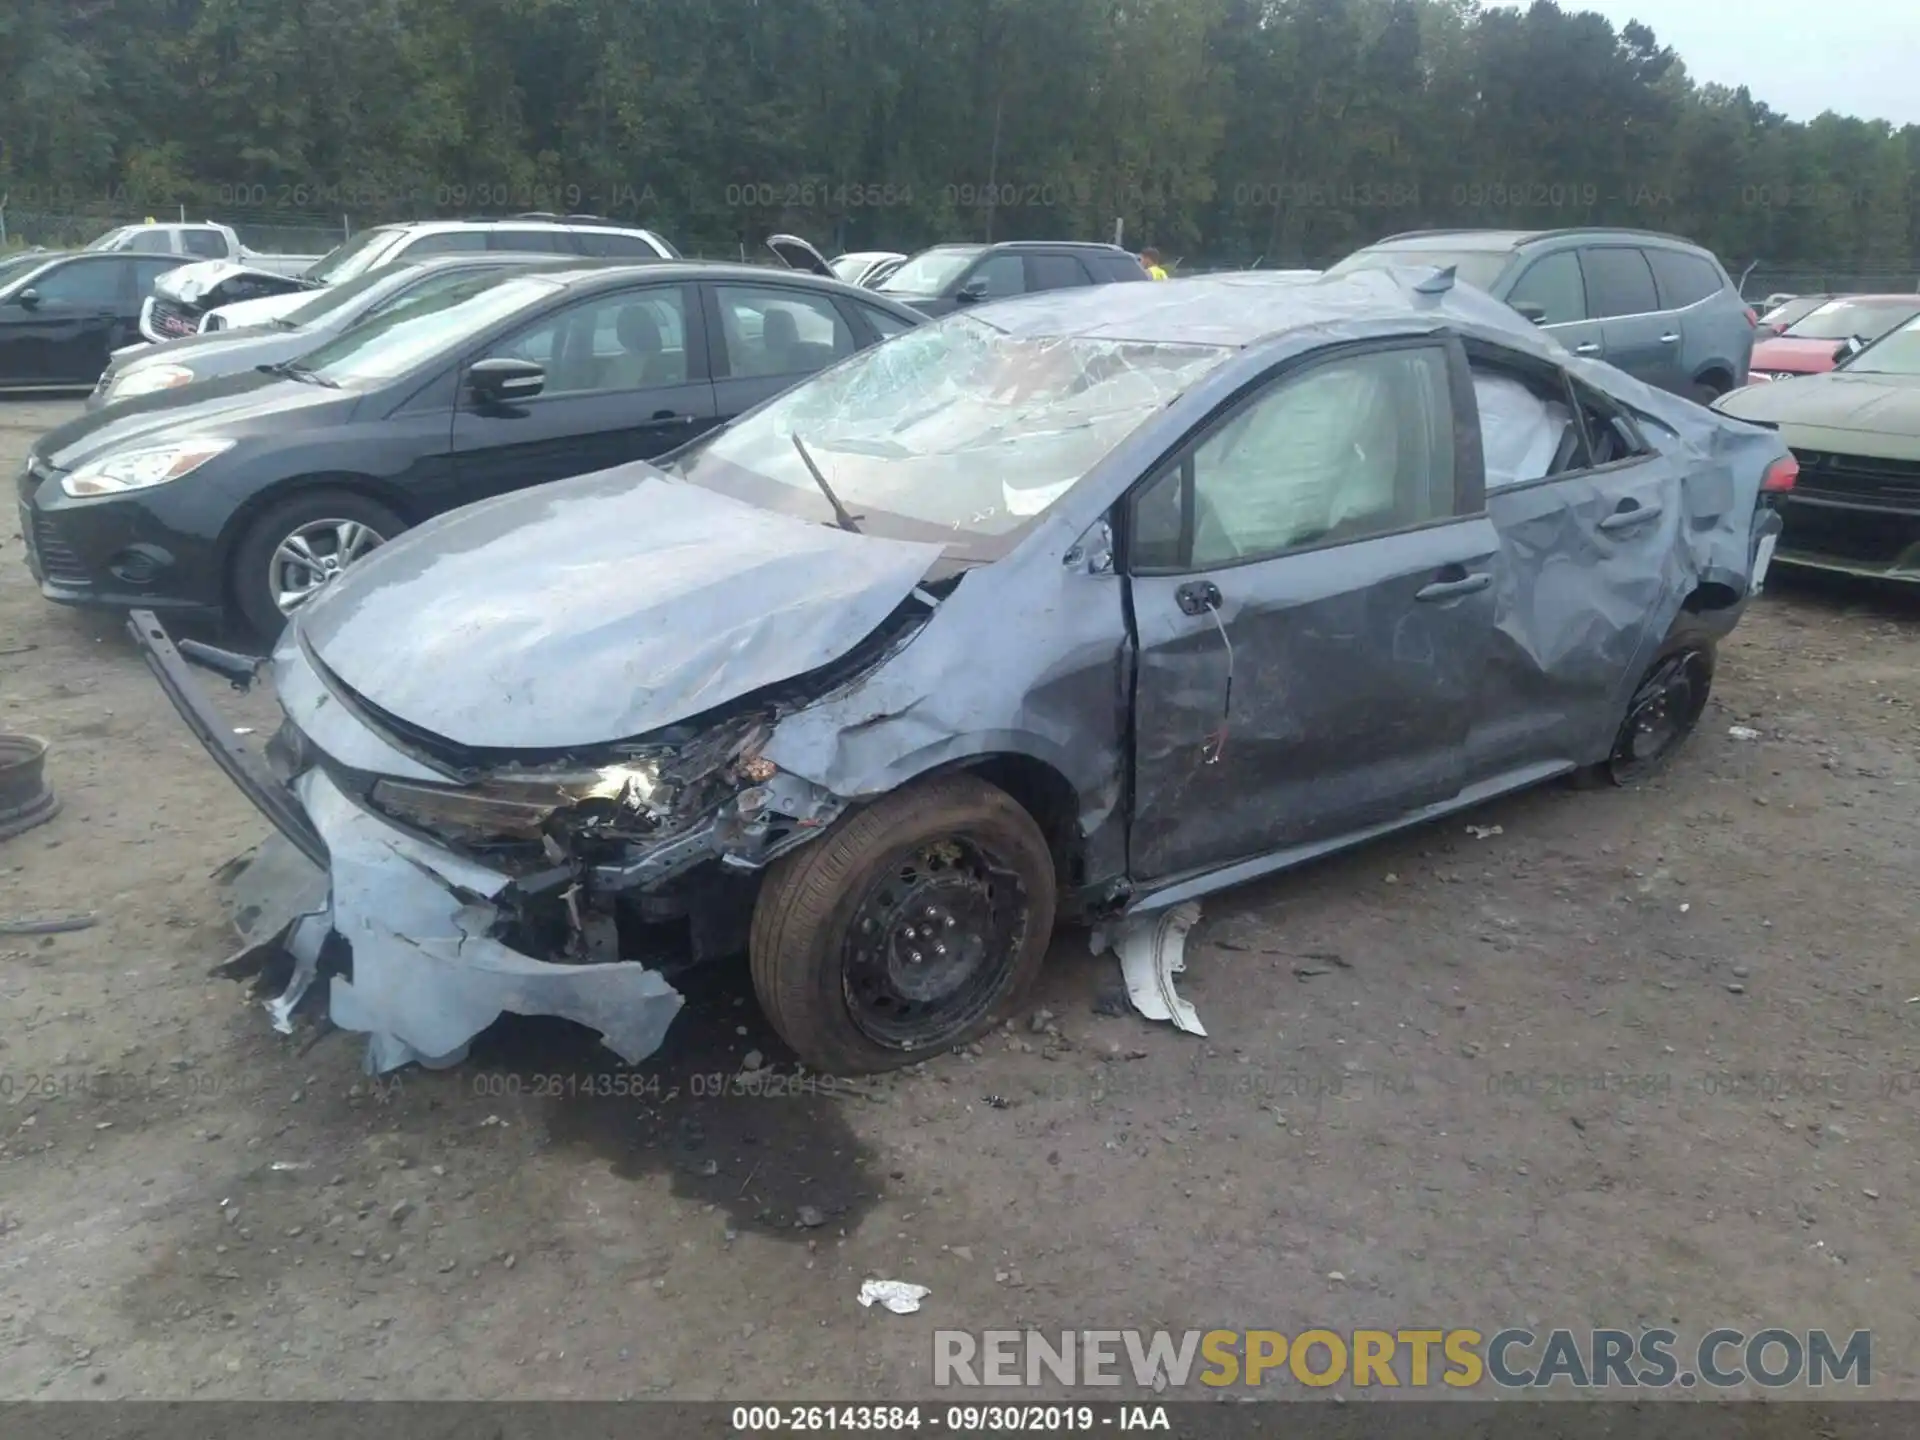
<point>1670,339</point>
<point>1591,347</point>
<point>1630,514</point>
<point>1447,589</point>
<point>668,417</point>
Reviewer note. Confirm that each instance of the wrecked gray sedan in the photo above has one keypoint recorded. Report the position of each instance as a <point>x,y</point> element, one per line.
<point>1077,607</point>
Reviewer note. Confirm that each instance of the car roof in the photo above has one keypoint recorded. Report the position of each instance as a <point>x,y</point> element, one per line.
<point>1514,239</point>
<point>1059,245</point>
<point>1242,309</point>
<point>589,274</point>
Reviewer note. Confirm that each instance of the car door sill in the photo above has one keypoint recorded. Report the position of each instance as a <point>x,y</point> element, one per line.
<point>1181,888</point>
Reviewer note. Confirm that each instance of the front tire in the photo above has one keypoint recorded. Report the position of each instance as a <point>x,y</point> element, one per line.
<point>296,548</point>
<point>906,929</point>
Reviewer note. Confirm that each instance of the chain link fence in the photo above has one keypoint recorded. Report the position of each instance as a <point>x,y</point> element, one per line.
<point>275,232</point>
<point>1762,281</point>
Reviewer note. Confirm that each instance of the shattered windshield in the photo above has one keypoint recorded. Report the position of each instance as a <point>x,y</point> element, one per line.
<point>958,428</point>
<point>1897,354</point>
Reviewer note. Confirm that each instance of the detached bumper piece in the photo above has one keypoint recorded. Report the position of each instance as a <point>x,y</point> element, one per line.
<point>424,975</point>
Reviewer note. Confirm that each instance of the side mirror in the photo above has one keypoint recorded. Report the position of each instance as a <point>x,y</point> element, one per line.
<point>1530,311</point>
<point>502,381</point>
<point>972,292</point>
<point>29,299</point>
<point>1848,348</point>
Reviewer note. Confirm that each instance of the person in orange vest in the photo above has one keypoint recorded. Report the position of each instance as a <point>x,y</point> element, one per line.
<point>1150,258</point>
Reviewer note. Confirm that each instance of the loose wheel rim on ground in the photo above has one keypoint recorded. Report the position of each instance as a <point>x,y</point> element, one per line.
<point>932,941</point>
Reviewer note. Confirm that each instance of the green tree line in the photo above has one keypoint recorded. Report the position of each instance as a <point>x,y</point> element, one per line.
<point>1224,131</point>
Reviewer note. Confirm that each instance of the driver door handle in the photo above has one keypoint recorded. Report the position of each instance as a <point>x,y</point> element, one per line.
<point>1629,514</point>
<point>1590,347</point>
<point>1447,589</point>
<point>665,417</point>
<point>1670,339</point>
<point>1197,597</point>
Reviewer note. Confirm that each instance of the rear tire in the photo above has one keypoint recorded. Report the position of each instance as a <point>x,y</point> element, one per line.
<point>1664,710</point>
<point>323,521</point>
<point>1705,392</point>
<point>905,930</point>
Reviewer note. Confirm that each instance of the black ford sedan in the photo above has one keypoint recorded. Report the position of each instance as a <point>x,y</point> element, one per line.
<point>252,491</point>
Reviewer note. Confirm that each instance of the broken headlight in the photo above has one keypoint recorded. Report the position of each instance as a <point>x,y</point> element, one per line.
<point>518,807</point>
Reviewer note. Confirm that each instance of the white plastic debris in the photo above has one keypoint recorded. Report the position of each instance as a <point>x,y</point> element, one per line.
<point>1152,950</point>
<point>900,1296</point>
<point>1743,732</point>
<point>1484,832</point>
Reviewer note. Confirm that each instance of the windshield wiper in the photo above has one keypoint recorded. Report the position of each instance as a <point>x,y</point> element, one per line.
<point>294,370</point>
<point>840,515</point>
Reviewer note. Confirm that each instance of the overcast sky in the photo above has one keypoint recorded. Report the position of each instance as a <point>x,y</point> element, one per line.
<point>1859,57</point>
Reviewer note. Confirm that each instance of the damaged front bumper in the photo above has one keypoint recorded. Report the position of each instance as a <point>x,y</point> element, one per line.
<point>406,932</point>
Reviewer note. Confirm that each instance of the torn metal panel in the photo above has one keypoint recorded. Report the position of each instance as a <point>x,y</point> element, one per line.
<point>427,974</point>
<point>1152,951</point>
<point>675,599</point>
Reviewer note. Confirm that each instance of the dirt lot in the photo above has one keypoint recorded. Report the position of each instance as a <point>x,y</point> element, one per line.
<point>1399,1117</point>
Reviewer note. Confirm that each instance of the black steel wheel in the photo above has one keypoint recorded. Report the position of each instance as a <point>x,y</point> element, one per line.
<point>906,929</point>
<point>1665,707</point>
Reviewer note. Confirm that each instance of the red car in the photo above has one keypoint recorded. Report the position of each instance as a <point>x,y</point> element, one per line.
<point>1814,343</point>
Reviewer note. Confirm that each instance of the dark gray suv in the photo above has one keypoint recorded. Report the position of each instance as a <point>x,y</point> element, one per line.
<point>1659,307</point>
<point>947,277</point>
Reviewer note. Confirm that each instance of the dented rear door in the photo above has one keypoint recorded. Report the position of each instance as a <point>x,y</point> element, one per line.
<point>1590,574</point>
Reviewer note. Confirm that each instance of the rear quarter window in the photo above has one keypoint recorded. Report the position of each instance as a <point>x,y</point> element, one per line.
<point>612,245</point>
<point>1683,279</point>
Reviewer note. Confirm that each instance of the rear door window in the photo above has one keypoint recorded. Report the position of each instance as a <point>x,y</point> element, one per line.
<point>447,242</point>
<point>778,331</point>
<point>1683,279</point>
<point>1619,281</point>
<point>546,242</point>
<point>1552,284</point>
<point>1055,272</point>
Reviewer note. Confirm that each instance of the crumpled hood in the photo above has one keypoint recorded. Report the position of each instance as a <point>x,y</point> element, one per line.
<point>244,313</point>
<point>599,609</point>
<point>206,282</point>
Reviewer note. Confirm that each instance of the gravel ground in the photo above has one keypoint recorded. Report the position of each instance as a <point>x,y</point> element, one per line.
<point>1399,1117</point>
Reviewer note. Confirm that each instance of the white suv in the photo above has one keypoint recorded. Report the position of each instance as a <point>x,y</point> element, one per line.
<point>183,304</point>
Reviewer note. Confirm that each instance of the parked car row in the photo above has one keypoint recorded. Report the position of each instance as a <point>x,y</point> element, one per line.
<point>688,516</point>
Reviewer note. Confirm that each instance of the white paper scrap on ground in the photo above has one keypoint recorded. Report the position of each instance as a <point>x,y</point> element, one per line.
<point>1152,950</point>
<point>899,1296</point>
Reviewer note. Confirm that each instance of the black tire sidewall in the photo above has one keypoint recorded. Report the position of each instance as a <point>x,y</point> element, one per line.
<point>809,899</point>
<point>247,573</point>
<point>1678,643</point>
